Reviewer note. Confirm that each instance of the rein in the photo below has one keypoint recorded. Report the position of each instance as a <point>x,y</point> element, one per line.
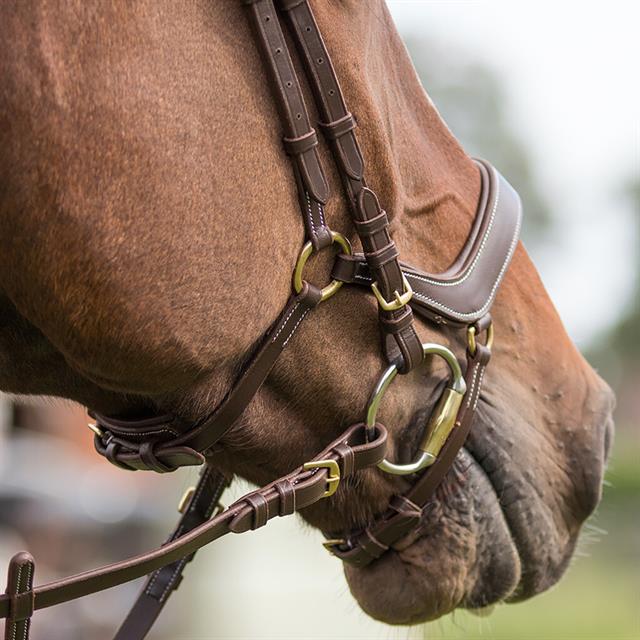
<point>461,297</point>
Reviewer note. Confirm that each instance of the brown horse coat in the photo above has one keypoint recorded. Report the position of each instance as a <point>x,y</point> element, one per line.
<point>149,229</point>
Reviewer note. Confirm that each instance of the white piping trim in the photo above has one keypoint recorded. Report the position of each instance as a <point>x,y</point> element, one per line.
<point>480,379</point>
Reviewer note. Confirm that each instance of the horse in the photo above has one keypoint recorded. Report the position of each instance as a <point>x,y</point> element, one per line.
<point>151,222</point>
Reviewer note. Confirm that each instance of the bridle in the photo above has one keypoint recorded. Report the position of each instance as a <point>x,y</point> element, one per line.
<point>460,297</point>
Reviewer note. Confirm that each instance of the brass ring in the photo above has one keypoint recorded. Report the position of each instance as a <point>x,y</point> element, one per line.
<point>306,252</point>
<point>442,419</point>
<point>471,338</point>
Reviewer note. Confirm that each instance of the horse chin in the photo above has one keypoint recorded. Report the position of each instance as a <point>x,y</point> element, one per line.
<point>463,555</point>
<point>496,530</point>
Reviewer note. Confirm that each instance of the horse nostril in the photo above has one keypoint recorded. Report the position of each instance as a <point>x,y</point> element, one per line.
<point>605,417</point>
<point>609,429</point>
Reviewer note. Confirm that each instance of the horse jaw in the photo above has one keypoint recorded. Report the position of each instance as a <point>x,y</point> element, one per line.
<point>501,528</point>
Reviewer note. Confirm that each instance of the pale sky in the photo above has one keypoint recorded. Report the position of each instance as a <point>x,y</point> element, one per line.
<point>571,75</point>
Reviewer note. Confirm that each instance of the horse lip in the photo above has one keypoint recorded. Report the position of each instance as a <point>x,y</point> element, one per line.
<point>479,462</point>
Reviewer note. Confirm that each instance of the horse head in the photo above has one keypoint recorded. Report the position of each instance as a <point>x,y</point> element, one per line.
<point>155,224</point>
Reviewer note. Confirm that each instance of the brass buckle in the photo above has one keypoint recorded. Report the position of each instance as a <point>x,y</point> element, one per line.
<point>96,429</point>
<point>185,501</point>
<point>307,250</point>
<point>333,477</point>
<point>471,338</point>
<point>333,542</point>
<point>400,299</point>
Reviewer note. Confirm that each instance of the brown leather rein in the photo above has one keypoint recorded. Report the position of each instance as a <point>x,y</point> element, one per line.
<point>461,297</point>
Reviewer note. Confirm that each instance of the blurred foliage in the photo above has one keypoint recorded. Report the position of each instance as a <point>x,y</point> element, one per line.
<point>471,100</point>
<point>623,338</point>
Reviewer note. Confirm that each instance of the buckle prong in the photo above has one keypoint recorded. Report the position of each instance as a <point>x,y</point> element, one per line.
<point>333,542</point>
<point>185,501</point>
<point>96,429</point>
<point>400,299</point>
<point>333,477</point>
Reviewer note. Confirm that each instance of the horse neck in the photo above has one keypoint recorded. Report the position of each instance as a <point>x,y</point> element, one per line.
<point>195,104</point>
<point>424,179</point>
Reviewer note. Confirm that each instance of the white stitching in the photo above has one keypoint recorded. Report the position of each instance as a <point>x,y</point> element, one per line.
<point>18,579</point>
<point>284,344</point>
<point>192,504</point>
<point>475,404</point>
<point>321,210</point>
<point>15,624</point>
<point>460,314</point>
<point>284,324</point>
<point>196,495</point>
<point>157,571</point>
<point>169,586</point>
<point>25,629</point>
<point>153,432</point>
<point>313,226</point>
<point>473,385</point>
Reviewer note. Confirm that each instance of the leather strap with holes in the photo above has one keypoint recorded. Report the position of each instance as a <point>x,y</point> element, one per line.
<point>300,140</point>
<point>401,342</point>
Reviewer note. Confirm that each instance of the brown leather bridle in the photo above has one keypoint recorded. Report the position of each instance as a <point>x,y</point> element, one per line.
<point>460,297</point>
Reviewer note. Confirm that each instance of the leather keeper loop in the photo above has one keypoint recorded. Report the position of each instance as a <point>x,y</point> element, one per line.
<point>260,508</point>
<point>297,146</point>
<point>372,226</point>
<point>310,296</point>
<point>148,456</point>
<point>481,356</point>
<point>371,545</point>
<point>379,258</point>
<point>402,504</point>
<point>287,497</point>
<point>111,454</point>
<point>348,459</point>
<point>338,128</point>
<point>345,268</point>
<point>483,323</point>
<point>22,606</point>
<point>397,324</point>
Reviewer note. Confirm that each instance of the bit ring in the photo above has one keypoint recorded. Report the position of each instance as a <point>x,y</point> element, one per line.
<point>441,421</point>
